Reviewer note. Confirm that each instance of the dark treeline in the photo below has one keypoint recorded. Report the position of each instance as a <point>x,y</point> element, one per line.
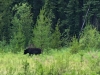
<point>32,21</point>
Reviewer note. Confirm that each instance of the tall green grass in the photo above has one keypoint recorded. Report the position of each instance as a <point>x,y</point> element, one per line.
<point>55,63</point>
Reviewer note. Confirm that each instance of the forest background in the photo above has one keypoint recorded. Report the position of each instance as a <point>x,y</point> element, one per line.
<point>49,24</point>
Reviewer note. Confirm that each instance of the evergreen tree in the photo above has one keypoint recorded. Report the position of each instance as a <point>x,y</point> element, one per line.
<point>17,40</point>
<point>51,7</point>
<point>61,10</point>
<point>73,17</point>
<point>24,18</point>
<point>36,6</point>
<point>93,16</point>
<point>41,31</point>
<point>5,19</point>
<point>56,41</point>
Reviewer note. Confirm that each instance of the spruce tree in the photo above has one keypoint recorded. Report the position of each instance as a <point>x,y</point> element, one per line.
<point>42,31</point>
<point>17,40</point>
<point>55,41</point>
<point>24,18</point>
<point>5,19</point>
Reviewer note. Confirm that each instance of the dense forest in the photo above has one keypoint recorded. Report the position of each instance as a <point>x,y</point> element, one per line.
<point>45,23</point>
<point>49,37</point>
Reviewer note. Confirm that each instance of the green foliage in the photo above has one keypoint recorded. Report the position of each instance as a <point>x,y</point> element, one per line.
<point>73,18</point>
<point>36,6</point>
<point>65,38</point>
<point>17,40</point>
<point>26,67</point>
<point>2,44</point>
<point>71,14</point>
<point>42,31</point>
<point>56,41</point>
<point>5,18</point>
<point>90,38</point>
<point>93,15</point>
<point>75,46</point>
<point>94,58</point>
<point>57,63</point>
<point>21,29</point>
<point>43,37</point>
<point>23,17</point>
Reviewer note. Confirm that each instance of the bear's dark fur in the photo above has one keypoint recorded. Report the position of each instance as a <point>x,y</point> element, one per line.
<point>32,51</point>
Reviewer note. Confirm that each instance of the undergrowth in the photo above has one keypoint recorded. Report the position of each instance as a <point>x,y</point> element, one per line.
<point>56,63</point>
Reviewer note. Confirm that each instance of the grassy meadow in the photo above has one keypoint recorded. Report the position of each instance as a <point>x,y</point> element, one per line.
<point>55,62</point>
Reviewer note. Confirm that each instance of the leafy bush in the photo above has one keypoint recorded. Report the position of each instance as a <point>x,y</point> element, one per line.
<point>90,38</point>
<point>75,47</point>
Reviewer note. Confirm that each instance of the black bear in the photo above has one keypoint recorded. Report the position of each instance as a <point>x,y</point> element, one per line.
<point>33,51</point>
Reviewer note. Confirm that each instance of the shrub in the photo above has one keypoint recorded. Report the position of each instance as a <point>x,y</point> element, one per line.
<point>90,38</point>
<point>75,47</point>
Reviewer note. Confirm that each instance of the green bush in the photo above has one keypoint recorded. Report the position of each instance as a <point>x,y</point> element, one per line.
<point>75,46</point>
<point>90,38</point>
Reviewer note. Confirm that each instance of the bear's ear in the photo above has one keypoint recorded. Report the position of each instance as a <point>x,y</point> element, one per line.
<point>31,45</point>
